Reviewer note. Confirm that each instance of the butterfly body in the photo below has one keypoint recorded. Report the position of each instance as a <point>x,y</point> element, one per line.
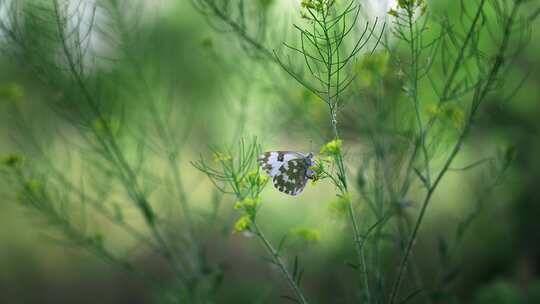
<point>289,170</point>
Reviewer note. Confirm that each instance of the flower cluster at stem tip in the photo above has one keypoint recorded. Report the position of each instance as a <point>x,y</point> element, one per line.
<point>243,224</point>
<point>332,148</point>
<point>249,207</point>
<point>329,152</point>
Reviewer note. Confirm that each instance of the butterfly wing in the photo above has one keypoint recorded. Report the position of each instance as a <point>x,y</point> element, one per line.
<point>292,177</point>
<point>272,161</point>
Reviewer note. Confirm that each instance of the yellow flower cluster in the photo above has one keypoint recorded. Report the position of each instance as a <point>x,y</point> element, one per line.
<point>243,224</point>
<point>255,179</point>
<point>247,204</point>
<point>332,148</point>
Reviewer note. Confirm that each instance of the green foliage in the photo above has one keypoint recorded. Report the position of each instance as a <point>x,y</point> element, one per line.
<point>320,6</point>
<point>373,68</point>
<point>393,105</point>
<point>11,92</point>
<point>236,176</point>
<point>307,235</point>
<point>499,292</point>
<point>12,161</point>
<point>236,171</point>
<point>338,208</point>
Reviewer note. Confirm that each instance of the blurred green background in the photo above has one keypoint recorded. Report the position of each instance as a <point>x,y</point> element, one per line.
<point>219,93</point>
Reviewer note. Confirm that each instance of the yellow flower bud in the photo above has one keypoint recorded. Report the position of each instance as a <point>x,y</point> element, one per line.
<point>242,224</point>
<point>333,147</point>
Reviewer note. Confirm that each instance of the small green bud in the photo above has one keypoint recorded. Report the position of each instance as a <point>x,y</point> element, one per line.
<point>239,205</point>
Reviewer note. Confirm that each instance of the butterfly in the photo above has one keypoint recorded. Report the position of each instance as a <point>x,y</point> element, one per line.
<point>289,170</point>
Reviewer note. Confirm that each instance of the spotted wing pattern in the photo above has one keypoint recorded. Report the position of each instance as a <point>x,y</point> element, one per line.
<point>272,161</point>
<point>287,169</point>
<point>292,178</point>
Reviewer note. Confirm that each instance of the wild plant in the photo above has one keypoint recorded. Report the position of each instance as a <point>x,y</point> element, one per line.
<point>120,176</point>
<point>445,65</point>
<point>402,94</point>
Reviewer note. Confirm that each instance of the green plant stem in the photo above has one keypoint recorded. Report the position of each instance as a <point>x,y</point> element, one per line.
<point>365,273</point>
<point>240,31</point>
<point>277,261</point>
<point>448,84</point>
<point>163,132</point>
<point>425,203</point>
<point>479,96</point>
<point>457,64</point>
<point>342,175</point>
<point>79,237</point>
<point>414,89</point>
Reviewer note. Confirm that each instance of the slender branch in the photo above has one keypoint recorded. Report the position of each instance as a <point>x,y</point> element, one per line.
<point>479,96</point>
<point>109,144</point>
<point>277,261</point>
